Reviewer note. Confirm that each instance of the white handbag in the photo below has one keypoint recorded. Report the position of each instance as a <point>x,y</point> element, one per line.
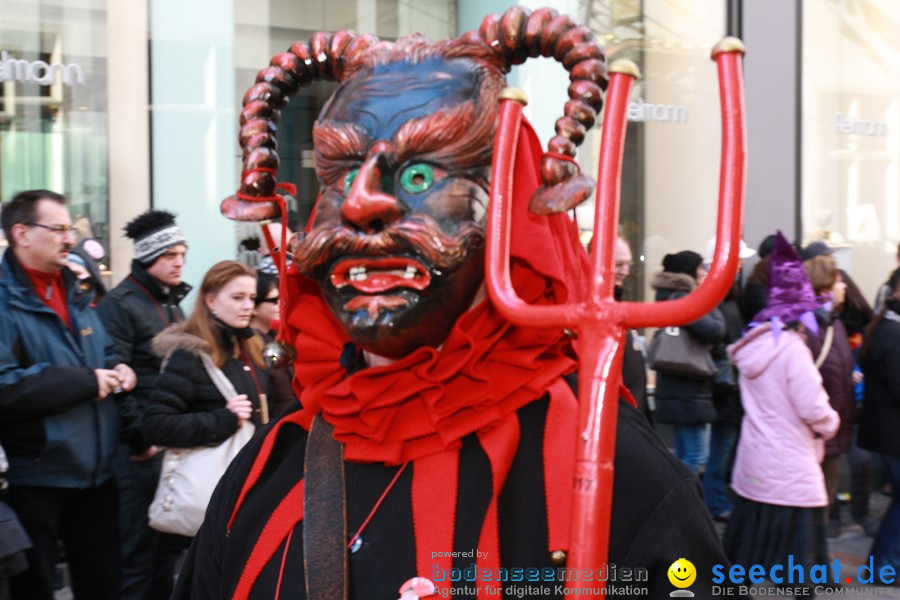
<point>189,475</point>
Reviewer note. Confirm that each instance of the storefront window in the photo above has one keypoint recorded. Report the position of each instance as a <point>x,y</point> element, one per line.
<point>851,133</point>
<point>53,109</point>
<point>670,175</point>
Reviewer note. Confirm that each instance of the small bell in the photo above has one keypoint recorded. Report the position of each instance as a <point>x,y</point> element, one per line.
<point>278,354</point>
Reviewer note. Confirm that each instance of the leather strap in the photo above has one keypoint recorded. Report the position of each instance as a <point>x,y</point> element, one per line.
<point>826,346</point>
<point>325,515</point>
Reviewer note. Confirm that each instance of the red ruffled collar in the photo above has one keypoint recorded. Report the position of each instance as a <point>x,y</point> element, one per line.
<point>428,401</point>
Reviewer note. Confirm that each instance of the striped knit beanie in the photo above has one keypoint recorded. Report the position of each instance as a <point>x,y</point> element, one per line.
<point>153,233</point>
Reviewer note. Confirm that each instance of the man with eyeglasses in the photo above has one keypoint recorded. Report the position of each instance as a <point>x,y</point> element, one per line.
<point>58,420</point>
<point>634,371</point>
<point>137,309</point>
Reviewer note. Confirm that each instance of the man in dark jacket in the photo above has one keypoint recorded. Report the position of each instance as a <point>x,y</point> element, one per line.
<point>634,368</point>
<point>141,306</point>
<point>57,420</point>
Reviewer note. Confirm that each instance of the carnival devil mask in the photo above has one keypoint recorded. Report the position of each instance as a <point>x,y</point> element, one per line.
<point>403,152</point>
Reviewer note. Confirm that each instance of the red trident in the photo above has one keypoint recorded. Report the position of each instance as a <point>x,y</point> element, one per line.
<point>597,318</point>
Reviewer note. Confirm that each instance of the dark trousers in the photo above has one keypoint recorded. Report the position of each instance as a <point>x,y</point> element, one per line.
<point>86,522</point>
<point>171,549</point>
<point>886,547</point>
<point>140,544</point>
<point>860,479</point>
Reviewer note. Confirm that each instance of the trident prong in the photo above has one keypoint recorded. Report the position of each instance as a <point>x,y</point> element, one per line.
<point>596,317</point>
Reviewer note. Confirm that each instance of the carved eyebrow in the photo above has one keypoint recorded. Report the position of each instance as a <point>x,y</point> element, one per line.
<point>455,135</point>
<point>338,144</point>
<point>450,135</point>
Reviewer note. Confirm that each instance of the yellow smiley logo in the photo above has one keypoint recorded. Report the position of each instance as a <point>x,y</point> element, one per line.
<point>682,573</point>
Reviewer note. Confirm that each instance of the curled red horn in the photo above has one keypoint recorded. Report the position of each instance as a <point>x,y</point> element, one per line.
<point>511,39</point>
<point>324,57</point>
<point>519,34</point>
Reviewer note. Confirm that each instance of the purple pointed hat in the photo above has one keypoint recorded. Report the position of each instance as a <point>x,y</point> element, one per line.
<point>791,296</point>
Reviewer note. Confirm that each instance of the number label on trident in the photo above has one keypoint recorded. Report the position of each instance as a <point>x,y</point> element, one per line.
<point>597,318</point>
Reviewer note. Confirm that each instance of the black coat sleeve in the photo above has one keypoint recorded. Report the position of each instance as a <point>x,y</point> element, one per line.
<point>120,349</point>
<point>710,328</point>
<point>119,330</point>
<point>665,518</point>
<point>185,408</point>
<point>46,390</point>
<point>30,390</point>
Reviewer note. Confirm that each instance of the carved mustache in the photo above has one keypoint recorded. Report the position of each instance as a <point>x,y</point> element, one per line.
<point>420,235</point>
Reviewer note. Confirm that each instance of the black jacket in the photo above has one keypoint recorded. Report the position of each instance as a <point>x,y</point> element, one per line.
<point>634,374</point>
<point>280,383</point>
<point>756,290</point>
<point>728,401</point>
<point>679,399</point>
<point>658,515</point>
<point>879,419</point>
<point>134,312</point>
<point>837,378</point>
<point>185,407</point>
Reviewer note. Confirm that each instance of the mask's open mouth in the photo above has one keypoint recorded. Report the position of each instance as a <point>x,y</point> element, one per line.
<point>379,275</point>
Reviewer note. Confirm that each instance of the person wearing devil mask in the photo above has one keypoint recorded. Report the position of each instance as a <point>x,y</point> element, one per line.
<point>434,438</point>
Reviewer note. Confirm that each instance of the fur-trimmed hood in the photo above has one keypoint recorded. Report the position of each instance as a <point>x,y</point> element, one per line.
<point>174,337</point>
<point>678,282</point>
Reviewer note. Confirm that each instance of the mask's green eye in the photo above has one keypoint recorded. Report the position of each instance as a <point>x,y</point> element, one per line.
<point>417,178</point>
<point>348,180</point>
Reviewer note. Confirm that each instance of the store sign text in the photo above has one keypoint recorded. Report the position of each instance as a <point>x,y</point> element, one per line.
<point>666,113</point>
<point>847,126</point>
<point>38,71</point>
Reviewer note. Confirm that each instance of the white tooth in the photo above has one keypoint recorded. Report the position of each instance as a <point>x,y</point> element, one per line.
<point>410,272</point>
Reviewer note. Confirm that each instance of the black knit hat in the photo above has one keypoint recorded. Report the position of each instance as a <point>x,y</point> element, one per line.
<point>685,262</point>
<point>153,233</point>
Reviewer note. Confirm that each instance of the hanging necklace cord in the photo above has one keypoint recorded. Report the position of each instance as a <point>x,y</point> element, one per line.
<point>377,504</point>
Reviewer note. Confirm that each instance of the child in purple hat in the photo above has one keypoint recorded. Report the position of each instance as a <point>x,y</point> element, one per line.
<point>781,498</point>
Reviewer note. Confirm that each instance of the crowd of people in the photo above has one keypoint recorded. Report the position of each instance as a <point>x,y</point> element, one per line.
<point>96,382</point>
<point>810,385</point>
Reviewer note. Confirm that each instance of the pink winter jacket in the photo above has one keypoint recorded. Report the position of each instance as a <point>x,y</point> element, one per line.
<point>787,418</point>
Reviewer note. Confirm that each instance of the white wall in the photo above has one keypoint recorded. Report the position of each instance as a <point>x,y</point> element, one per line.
<point>681,157</point>
<point>772,76</point>
<point>194,124</point>
<point>544,80</point>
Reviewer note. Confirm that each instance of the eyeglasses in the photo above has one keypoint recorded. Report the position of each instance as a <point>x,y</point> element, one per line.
<point>269,300</point>
<point>57,229</point>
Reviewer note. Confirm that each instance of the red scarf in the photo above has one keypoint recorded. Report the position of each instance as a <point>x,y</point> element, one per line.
<point>51,289</point>
<point>420,407</point>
